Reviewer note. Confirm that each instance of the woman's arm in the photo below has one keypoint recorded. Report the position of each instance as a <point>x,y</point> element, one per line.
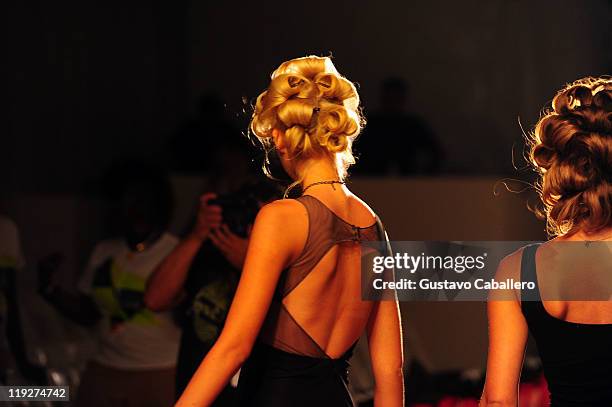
<point>507,337</point>
<point>274,243</point>
<point>167,281</point>
<point>386,354</point>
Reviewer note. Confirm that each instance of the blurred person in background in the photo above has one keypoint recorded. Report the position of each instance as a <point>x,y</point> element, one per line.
<point>135,361</point>
<point>201,274</point>
<point>211,144</point>
<point>14,364</point>
<point>208,141</point>
<point>571,149</point>
<point>416,150</point>
<point>193,146</point>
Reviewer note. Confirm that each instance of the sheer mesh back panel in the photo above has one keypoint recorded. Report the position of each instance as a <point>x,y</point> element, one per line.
<point>317,310</point>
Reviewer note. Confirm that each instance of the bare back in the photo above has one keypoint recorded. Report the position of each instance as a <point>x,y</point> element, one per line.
<point>317,310</point>
<point>575,280</point>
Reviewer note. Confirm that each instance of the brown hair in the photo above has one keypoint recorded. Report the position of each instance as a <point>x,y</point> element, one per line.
<point>571,149</point>
<point>315,106</point>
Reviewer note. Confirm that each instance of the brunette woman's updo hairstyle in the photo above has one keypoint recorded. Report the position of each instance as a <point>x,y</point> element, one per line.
<point>571,148</point>
<point>315,107</point>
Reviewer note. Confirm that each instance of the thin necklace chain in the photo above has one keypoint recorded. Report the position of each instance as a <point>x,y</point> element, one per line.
<point>588,242</point>
<point>327,182</point>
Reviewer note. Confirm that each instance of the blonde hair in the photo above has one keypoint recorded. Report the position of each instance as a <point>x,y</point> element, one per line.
<point>315,107</point>
<point>571,148</point>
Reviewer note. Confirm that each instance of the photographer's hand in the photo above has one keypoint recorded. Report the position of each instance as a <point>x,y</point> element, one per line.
<point>232,246</point>
<point>209,217</point>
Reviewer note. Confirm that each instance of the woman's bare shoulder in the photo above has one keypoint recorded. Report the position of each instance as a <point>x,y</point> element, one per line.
<point>282,208</point>
<point>509,267</point>
<point>283,224</point>
<point>361,204</point>
<point>283,214</point>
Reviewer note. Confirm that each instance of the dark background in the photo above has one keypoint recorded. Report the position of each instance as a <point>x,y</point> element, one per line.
<point>91,81</point>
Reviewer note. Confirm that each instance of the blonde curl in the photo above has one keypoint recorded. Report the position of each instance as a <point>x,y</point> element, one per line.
<point>316,108</point>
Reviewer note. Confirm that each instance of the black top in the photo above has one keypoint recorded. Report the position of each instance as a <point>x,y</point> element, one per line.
<point>287,366</point>
<point>577,358</point>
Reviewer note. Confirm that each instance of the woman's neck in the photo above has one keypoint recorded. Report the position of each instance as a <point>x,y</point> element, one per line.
<point>580,235</point>
<point>316,170</point>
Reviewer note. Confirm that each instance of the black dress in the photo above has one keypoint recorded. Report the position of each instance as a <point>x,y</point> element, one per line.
<point>286,366</point>
<point>577,358</point>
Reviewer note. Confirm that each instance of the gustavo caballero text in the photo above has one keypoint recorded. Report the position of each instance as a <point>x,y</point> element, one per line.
<point>427,284</point>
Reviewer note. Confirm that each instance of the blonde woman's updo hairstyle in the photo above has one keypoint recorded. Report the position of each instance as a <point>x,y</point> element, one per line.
<point>571,148</point>
<point>315,107</point>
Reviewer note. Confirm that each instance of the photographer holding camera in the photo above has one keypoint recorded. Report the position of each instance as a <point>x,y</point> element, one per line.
<point>200,275</point>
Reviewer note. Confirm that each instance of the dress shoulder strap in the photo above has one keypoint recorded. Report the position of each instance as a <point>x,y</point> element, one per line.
<point>529,274</point>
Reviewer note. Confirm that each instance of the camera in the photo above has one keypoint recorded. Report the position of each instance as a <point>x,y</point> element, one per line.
<point>239,210</point>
